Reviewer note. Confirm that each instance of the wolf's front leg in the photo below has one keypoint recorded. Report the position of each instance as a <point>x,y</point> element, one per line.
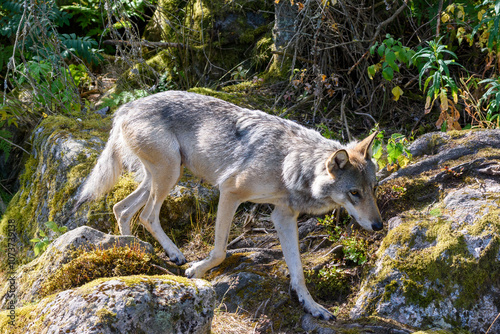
<point>285,221</point>
<point>228,204</point>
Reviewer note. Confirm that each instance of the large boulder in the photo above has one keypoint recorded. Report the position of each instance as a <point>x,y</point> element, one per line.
<point>30,277</point>
<point>132,304</point>
<point>64,150</point>
<point>439,265</point>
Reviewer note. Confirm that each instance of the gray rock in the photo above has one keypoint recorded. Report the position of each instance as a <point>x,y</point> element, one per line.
<point>439,267</point>
<point>30,277</point>
<point>132,304</point>
<point>440,151</point>
<point>312,325</point>
<point>237,289</point>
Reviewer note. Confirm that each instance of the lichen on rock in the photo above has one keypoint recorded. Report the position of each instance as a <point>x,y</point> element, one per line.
<point>131,304</point>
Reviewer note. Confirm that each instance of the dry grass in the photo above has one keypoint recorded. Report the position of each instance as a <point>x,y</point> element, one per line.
<point>233,323</point>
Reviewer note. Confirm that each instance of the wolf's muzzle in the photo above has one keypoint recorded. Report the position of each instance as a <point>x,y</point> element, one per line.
<point>378,226</point>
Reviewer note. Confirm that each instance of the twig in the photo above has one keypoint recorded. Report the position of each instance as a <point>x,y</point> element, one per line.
<point>235,240</point>
<point>377,32</point>
<point>162,269</point>
<point>286,54</point>
<point>492,323</point>
<point>8,141</point>
<point>438,25</point>
<point>342,116</point>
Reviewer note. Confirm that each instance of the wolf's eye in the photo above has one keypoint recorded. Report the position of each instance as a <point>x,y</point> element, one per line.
<point>354,193</point>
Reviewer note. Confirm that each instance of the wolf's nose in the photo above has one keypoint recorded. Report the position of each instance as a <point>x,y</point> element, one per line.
<point>378,226</point>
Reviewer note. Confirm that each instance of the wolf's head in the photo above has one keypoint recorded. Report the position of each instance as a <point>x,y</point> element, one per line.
<point>353,172</point>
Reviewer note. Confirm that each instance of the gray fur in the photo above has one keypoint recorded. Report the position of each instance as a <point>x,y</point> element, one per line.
<point>248,154</point>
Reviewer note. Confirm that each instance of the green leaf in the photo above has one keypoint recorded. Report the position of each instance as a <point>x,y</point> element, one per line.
<point>381,50</point>
<point>52,225</point>
<point>372,70</point>
<point>388,73</point>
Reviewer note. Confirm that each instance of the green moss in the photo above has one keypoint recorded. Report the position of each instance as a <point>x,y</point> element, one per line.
<point>38,185</point>
<point>27,315</point>
<point>445,261</point>
<point>105,316</point>
<point>111,262</point>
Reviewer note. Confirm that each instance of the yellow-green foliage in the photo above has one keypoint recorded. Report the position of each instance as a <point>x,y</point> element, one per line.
<point>97,263</point>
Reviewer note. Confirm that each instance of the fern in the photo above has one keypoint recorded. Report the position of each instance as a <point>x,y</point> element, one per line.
<point>124,97</point>
<point>11,17</point>
<point>5,146</point>
<point>82,46</point>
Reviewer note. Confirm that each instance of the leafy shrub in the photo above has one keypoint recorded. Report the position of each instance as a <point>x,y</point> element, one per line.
<point>124,97</point>
<point>439,82</point>
<point>396,154</point>
<point>41,243</point>
<point>492,99</point>
<point>393,54</point>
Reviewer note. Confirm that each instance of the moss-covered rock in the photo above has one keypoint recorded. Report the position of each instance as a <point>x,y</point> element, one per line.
<point>213,37</point>
<point>439,265</point>
<point>32,277</point>
<point>132,304</point>
<point>64,152</point>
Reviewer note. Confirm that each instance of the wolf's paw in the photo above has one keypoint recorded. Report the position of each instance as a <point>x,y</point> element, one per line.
<point>318,311</point>
<point>177,258</point>
<point>194,271</point>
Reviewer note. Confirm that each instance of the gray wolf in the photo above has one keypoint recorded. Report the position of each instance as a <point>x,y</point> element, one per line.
<point>250,155</point>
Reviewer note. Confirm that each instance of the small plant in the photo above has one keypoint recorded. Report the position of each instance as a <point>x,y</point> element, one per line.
<point>392,54</point>
<point>80,75</point>
<point>326,132</point>
<point>439,82</point>
<point>334,231</point>
<point>355,250</point>
<point>44,240</point>
<point>492,98</point>
<point>52,86</point>
<point>397,155</point>
<point>489,23</point>
<point>124,97</point>
<point>330,281</point>
<point>240,73</point>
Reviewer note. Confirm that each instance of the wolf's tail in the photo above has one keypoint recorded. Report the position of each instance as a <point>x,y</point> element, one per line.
<point>107,170</point>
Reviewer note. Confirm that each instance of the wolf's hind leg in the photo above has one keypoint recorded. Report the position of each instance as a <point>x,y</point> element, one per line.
<point>165,172</point>
<point>285,221</point>
<point>128,207</point>
<point>228,203</point>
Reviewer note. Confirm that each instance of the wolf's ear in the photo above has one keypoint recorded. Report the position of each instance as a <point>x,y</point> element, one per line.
<point>365,146</point>
<point>338,160</point>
